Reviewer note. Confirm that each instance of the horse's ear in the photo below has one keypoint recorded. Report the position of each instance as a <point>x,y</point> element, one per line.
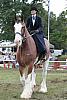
<point>22,17</point>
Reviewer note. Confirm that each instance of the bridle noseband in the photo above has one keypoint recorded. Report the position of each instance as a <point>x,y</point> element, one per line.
<point>23,35</point>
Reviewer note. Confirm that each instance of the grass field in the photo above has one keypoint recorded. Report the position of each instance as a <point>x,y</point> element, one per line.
<point>10,87</point>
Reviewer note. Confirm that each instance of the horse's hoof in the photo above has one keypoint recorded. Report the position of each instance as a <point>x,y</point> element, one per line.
<point>26,95</point>
<point>22,96</point>
<point>42,90</point>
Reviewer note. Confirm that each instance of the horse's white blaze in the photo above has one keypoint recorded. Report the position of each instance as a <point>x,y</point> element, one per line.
<point>18,39</point>
<point>43,88</point>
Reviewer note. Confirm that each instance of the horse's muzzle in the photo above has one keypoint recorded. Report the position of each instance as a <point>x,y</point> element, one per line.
<point>18,43</point>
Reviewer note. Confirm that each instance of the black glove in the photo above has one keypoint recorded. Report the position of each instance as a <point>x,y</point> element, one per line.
<point>37,31</point>
<point>34,31</point>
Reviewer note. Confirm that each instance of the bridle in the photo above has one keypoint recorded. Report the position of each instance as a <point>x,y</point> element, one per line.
<point>24,38</point>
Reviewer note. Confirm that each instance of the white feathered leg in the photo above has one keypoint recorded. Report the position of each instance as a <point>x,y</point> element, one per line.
<point>33,77</point>
<point>43,87</point>
<point>22,79</point>
<point>28,88</point>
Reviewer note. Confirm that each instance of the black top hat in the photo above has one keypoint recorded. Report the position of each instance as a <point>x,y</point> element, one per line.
<point>33,8</point>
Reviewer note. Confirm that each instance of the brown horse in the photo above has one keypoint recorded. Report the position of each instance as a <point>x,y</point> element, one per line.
<point>26,57</point>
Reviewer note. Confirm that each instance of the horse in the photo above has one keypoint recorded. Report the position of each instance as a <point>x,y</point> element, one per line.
<point>26,56</point>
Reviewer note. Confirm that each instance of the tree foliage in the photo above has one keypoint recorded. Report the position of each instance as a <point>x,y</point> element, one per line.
<point>58,25</point>
<point>58,31</point>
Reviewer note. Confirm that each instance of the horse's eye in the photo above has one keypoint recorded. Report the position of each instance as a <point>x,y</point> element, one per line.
<point>23,27</point>
<point>19,40</point>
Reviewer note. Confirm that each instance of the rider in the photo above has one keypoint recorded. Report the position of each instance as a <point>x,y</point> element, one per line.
<point>34,25</point>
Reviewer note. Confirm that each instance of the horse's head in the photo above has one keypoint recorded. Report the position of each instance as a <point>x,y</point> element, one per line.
<point>19,34</point>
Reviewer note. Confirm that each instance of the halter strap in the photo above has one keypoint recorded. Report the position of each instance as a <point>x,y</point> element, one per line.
<point>27,36</point>
<point>18,33</point>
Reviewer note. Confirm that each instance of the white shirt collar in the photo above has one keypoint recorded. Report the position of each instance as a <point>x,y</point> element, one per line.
<point>34,15</point>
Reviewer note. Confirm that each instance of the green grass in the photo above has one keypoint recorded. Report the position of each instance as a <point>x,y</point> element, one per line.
<point>9,75</point>
<point>10,87</point>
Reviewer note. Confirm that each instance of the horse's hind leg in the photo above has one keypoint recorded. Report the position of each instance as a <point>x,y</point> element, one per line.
<point>43,87</point>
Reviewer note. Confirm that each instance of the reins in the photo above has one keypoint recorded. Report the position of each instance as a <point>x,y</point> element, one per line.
<point>19,33</point>
<point>27,36</point>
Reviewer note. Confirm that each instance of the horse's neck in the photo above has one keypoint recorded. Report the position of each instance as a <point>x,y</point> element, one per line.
<point>28,38</point>
<point>26,32</point>
<point>29,44</point>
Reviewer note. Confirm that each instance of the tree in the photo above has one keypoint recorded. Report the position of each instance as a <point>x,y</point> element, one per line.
<point>62,28</point>
<point>58,26</point>
<point>58,31</point>
<point>8,9</point>
<point>35,1</point>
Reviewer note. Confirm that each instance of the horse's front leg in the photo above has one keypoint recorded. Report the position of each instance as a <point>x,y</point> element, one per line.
<point>43,87</point>
<point>22,75</point>
<point>31,70</point>
<point>28,88</point>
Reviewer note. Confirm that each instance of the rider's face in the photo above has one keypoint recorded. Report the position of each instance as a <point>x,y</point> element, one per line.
<point>33,12</point>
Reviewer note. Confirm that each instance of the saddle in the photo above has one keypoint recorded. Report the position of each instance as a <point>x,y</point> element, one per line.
<point>41,58</point>
<point>41,50</point>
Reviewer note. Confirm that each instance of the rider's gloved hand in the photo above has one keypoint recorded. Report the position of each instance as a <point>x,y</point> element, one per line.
<point>37,31</point>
